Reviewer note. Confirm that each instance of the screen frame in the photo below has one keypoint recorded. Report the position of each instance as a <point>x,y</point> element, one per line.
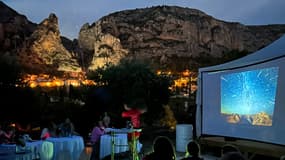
<point>202,73</point>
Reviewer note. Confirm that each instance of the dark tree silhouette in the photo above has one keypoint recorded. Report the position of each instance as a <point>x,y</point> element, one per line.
<point>135,84</point>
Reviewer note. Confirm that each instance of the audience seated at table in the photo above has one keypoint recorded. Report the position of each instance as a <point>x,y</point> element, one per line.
<point>193,149</point>
<point>7,135</point>
<point>96,134</point>
<point>52,128</point>
<point>162,150</point>
<point>67,128</point>
<point>49,129</point>
<point>45,134</point>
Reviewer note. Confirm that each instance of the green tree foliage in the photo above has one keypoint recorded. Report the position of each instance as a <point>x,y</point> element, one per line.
<point>18,103</point>
<point>134,84</point>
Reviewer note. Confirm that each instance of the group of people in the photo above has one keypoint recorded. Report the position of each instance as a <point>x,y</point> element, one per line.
<point>163,149</point>
<point>162,146</point>
<point>99,129</point>
<point>64,129</point>
<point>14,133</point>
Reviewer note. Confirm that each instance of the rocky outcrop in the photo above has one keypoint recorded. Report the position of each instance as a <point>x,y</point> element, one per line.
<point>14,29</point>
<point>37,48</point>
<point>104,47</point>
<point>45,51</point>
<point>166,36</point>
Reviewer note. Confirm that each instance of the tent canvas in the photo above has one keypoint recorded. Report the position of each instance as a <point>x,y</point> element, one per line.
<point>236,86</point>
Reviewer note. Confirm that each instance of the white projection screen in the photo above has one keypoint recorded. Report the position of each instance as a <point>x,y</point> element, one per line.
<point>246,102</point>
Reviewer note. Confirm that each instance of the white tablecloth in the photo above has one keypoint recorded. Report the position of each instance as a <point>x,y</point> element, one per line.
<point>64,148</point>
<point>68,148</point>
<point>8,151</point>
<point>14,156</point>
<point>120,138</point>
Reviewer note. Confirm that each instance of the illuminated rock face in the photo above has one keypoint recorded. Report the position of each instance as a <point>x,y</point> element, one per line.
<point>168,35</point>
<point>37,48</point>
<point>165,37</point>
<point>44,48</point>
<point>105,48</point>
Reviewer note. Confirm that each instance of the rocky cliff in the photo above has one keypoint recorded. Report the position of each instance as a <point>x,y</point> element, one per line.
<point>166,37</point>
<point>14,29</point>
<point>172,37</point>
<point>44,50</point>
<point>36,48</point>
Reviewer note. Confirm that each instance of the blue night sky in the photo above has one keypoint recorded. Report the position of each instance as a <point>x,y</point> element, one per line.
<point>73,14</point>
<point>249,92</point>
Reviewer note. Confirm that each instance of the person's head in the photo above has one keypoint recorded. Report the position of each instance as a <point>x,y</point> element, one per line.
<point>100,124</point>
<point>229,148</point>
<point>163,147</point>
<point>193,148</point>
<point>143,110</point>
<point>233,156</point>
<point>67,120</point>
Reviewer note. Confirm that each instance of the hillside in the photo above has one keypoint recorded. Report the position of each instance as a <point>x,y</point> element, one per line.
<point>170,37</point>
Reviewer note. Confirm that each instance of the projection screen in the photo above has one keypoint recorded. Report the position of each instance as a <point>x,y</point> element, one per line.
<point>245,102</point>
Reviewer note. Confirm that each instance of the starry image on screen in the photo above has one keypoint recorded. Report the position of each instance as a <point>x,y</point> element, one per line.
<point>249,97</point>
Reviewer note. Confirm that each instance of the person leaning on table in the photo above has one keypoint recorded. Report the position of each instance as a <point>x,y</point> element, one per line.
<point>96,134</point>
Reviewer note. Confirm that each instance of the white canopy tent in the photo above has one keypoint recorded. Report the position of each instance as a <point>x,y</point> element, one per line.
<point>209,90</point>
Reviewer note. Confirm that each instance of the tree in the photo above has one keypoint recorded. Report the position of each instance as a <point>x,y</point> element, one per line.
<point>135,84</point>
<point>9,70</point>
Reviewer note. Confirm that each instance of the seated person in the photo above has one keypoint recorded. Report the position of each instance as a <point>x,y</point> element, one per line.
<point>97,132</point>
<point>67,128</point>
<point>162,150</point>
<point>193,149</point>
<point>3,136</point>
<point>52,128</point>
<point>233,156</point>
<point>106,120</point>
<point>45,134</point>
<point>231,152</point>
<point>229,148</point>
<point>7,136</point>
